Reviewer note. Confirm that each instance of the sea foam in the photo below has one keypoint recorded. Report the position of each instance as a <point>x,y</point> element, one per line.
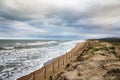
<point>19,62</point>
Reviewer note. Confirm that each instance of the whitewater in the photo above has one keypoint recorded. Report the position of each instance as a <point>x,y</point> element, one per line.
<point>21,57</point>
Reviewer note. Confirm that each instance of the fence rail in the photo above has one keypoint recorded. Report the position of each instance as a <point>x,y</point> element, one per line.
<point>49,71</point>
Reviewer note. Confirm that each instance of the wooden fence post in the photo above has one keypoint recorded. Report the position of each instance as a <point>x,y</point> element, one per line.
<point>69,56</point>
<point>72,56</point>
<point>34,75</point>
<point>58,64</point>
<point>63,59</point>
<point>53,66</point>
<point>66,58</point>
<point>45,73</point>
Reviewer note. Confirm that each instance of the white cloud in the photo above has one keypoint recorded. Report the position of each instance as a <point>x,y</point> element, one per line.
<point>92,36</point>
<point>105,17</point>
<point>22,30</point>
<point>21,26</point>
<point>38,8</point>
<point>102,14</point>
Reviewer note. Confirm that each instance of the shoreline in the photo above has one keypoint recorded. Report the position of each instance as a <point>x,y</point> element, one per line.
<point>40,57</point>
<point>56,64</point>
<point>51,60</point>
<point>99,61</point>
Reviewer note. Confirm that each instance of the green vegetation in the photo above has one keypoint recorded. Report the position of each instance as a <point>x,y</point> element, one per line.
<point>107,47</point>
<point>101,59</point>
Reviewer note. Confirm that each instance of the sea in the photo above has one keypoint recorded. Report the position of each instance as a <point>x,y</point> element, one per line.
<point>21,57</point>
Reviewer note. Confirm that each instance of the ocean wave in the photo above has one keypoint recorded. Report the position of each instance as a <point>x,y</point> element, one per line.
<point>41,43</point>
<point>6,48</point>
<point>28,45</point>
<point>25,61</point>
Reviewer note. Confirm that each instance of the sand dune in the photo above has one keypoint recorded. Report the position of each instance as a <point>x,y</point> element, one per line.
<point>99,61</point>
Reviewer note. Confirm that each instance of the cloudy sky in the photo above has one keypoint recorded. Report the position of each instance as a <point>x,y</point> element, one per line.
<point>59,19</point>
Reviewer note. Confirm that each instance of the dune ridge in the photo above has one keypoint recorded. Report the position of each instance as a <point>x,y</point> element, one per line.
<point>99,61</point>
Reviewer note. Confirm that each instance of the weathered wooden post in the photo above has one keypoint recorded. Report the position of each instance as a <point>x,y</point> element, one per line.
<point>45,73</point>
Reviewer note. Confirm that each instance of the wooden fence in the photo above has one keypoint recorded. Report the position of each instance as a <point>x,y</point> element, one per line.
<point>49,71</point>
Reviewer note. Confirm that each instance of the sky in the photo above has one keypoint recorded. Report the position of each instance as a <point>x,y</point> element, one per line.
<point>59,19</point>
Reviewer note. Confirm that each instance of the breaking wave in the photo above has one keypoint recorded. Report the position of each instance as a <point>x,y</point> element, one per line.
<point>15,62</point>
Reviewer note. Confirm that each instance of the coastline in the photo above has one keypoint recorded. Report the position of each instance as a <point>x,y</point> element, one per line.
<point>51,60</point>
<point>57,64</point>
<point>99,61</point>
<point>32,59</point>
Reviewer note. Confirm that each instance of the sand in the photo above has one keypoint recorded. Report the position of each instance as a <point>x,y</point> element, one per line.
<point>99,61</point>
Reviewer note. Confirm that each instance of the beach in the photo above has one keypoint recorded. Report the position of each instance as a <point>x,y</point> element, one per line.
<point>88,60</point>
<point>99,61</point>
<point>54,66</point>
<point>22,57</point>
